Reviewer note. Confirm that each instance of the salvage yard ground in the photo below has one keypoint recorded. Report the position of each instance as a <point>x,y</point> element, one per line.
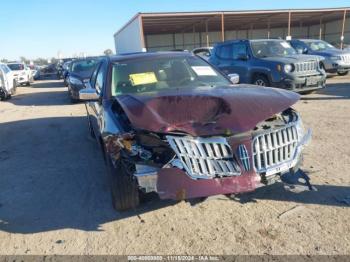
<point>54,192</point>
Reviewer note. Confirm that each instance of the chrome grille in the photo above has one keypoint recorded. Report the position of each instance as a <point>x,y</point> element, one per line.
<point>306,67</point>
<point>345,58</point>
<point>205,157</point>
<point>274,148</point>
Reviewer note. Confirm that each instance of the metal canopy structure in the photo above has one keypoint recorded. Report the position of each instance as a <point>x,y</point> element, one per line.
<point>163,23</point>
<point>174,23</point>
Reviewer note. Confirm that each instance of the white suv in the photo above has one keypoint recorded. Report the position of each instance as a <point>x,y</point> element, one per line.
<point>22,72</point>
<point>8,82</point>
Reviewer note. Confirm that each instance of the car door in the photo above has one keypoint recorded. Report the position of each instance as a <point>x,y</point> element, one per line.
<point>9,78</point>
<point>95,108</point>
<point>224,61</point>
<point>240,61</point>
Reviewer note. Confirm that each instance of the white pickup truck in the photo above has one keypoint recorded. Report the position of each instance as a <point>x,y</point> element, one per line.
<point>8,82</point>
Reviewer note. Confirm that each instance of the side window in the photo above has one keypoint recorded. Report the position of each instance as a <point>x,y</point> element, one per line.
<point>94,75</point>
<point>225,52</point>
<point>99,81</point>
<point>100,77</point>
<point>298,45</point>
<point>239,50</point>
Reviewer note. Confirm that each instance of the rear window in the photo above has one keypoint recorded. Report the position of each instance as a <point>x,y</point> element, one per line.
<point>16,67</point>
<point>84,66</point>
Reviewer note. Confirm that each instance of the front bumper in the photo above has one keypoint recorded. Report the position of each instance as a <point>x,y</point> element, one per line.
<point>333,66</point>
<point>302,83</point>
<point>174,183</point>
<point>20,78</point>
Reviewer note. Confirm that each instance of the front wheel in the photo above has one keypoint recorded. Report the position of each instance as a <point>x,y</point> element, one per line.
<point>261,80</point>
<point>124,187</point>
<point>4,94</point>
<point>342,73</point>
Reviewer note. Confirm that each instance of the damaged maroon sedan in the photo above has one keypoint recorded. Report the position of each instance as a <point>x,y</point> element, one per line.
<point>170,123</point>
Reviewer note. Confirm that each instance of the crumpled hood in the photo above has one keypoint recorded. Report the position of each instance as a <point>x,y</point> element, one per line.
<point>205,111</point>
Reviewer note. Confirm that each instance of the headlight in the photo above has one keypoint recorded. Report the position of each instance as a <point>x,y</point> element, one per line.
<point>75,81</point>
<point>335,58</point>
<point>288,68</point>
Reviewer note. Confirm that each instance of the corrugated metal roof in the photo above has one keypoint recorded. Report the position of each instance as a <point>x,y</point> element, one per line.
<point>177,22</point>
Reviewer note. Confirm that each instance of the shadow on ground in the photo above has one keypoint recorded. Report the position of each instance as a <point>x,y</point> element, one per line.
<point>53,177</point>
<point>333,91</point>
<point>41,99</point>
<point>48,83</point>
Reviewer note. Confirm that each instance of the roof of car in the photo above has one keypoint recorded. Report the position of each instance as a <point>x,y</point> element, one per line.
<point>138,55</point>
<point>250,40</point>
<point>308,40</point>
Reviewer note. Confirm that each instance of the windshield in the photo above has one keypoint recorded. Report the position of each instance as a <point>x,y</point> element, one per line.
<point>16,67</point>
<point>267,48</point>
<point>164,73</point>
<point>84,66</point>
<point>319,45</point>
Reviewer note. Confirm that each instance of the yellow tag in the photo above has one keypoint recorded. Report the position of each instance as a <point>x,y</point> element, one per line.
<point>143,78</point>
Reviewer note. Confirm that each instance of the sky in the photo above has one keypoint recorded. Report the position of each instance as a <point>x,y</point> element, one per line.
<point>42,28</point>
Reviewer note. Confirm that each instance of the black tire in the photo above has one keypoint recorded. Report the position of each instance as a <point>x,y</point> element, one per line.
<point>261,80</point>
<point>342,73</point>
<point>124,187</point>
<point>72,99</point>
<point>3,94</point>
<point>28,83</point>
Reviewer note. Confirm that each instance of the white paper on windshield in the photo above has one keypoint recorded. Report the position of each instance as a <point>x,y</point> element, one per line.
<point>204,71</point>
<point>285,44</point>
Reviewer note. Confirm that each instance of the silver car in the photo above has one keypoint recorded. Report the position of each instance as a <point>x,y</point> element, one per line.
<point>335,60</point>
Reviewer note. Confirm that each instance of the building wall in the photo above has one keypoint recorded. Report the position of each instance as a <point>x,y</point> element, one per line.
<point>129,38</point>
<point>330,32</point>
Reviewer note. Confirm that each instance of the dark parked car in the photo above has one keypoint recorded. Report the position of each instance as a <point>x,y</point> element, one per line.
<point>269,63</point>
<point>171,123</point>
<point>335,60</point>
<point>79,71</point>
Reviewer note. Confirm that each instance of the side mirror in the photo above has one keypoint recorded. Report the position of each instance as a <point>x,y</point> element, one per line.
<point>88,94</point>
<point>234,78</point>
<point>243,57</point>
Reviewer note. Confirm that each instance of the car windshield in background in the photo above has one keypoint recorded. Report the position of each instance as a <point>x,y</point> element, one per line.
<point>84,66</point>
<point>16,67</point>
<point>319,45</point>
<point>157,74</point>
<point>263,49</point>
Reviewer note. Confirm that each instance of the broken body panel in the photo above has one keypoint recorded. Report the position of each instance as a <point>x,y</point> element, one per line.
<point>188,143</point>
<point>231,112</point>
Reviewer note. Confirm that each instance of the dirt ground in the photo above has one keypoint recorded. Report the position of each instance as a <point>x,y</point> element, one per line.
<point>54,195</point>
